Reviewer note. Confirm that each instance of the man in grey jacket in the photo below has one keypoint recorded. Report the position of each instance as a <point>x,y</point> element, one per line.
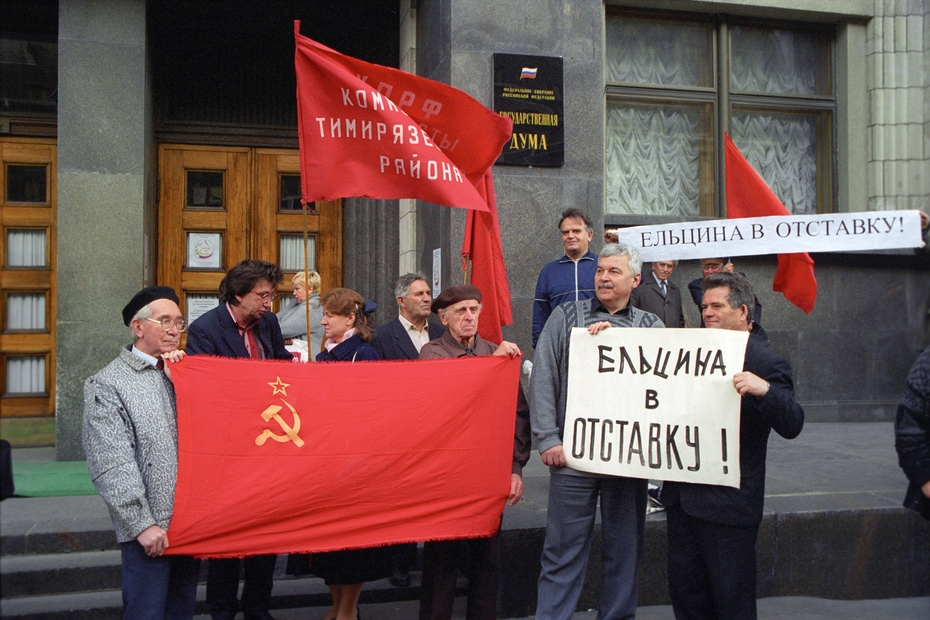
<point>573,495</point>
<point>131,440</point>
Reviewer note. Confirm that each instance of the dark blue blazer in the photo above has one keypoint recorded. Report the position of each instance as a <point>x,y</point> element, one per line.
<point>777,410</point>
<point>215,333</point>
<point>352,350</point>
<point>392,342</point>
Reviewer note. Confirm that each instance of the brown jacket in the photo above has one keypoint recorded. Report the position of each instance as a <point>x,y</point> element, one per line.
<point>447,346</point>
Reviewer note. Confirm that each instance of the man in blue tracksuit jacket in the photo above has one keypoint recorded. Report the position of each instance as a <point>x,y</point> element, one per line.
<point>571,278</point>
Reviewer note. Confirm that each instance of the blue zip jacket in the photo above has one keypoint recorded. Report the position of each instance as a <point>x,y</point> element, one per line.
<point>560,281</point>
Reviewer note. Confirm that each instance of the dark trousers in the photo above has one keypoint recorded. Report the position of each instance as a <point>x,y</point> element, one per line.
<point>403,558</point>
<point>440,561</point>
<point>161,588</point>
<point>711,568</point>
<point>223,586</point>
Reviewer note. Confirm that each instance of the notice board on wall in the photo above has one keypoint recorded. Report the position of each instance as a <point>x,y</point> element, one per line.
<point>528,90</point>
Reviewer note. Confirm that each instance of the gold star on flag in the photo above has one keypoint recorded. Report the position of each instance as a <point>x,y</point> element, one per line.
<point>279,386</point>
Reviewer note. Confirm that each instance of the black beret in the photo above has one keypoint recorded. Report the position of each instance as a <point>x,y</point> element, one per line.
<point>455,294</point>
<point>145,297</point>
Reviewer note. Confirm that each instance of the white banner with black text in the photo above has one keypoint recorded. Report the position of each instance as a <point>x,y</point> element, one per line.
<point>776,234</point>
<point>655,403</point>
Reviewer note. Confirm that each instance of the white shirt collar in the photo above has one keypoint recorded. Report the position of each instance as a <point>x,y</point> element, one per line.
<point>144,356</point>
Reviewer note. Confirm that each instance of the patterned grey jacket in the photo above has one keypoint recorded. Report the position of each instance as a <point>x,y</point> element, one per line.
<point>131,441</point>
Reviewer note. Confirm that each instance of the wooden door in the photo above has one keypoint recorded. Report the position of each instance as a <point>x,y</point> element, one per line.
<point>28,219</point>
<point>218,206</point>
<point>279,222</point>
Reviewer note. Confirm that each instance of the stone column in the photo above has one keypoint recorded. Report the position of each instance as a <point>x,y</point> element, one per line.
<point>105,193</point>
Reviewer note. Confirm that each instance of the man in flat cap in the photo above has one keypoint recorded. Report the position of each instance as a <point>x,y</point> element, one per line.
<point>131,440</point>
<point>241,326</point>
<point>458,308</point>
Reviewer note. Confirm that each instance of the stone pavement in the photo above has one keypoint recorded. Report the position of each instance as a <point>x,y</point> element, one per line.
<point>780,608</point>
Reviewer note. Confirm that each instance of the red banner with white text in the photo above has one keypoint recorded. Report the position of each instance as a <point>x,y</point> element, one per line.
<point>275,457</point>
<point>378,132</point>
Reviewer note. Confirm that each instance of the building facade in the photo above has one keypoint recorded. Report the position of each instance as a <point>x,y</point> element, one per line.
<point>149,141</point>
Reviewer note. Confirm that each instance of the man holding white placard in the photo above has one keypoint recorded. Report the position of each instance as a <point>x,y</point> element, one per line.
<point>573,495</point>
<point>712,529</point>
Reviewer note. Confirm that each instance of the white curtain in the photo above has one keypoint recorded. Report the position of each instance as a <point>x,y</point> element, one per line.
<point>775,61</point>
<point>292,252</point>
<point>653,160</point>
<point>783,150</point>
<point>25,375</point>
<point>644,51</point>
<point>25,248</point>
<point>25,311</point>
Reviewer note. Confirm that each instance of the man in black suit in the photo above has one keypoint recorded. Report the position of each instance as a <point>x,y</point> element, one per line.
<point>402,339</point>
<point>241,326</point>
<point>657,294</point>
<point>712,530</point>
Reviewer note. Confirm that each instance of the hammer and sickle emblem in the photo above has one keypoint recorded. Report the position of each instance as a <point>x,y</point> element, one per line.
<point>290,433</point>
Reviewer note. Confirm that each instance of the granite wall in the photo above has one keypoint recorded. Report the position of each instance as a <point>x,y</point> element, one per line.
<point>105,193</point>
<point>455,44</point>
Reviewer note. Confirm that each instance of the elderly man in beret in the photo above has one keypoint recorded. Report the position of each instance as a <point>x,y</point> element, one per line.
<point>131,440</point>
<point>459,308</point>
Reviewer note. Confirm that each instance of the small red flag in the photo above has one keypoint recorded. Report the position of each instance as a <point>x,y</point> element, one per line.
<point>275,457</point>
<point>378,132</point>
<point>748,195</point>
<point>482,244</point>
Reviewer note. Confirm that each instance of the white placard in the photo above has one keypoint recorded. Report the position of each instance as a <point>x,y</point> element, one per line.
<point>200,304</point>
<point>655,403</point>
<point>829,232</point>
<point>437,272</point>
<point>204,250</point>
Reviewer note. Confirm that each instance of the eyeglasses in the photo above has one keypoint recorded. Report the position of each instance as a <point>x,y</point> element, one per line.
<point>264,296</point>
<point>167,324</point>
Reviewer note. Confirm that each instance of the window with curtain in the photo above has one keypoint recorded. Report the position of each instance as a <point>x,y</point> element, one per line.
<point>25,312</point>
<point>292,252</point>
<point>669,94</point>
<point>25,248</point>
<point>25,375</point>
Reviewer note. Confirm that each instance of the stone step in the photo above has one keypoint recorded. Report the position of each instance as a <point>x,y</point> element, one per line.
<point>840,554</point>
<point>57,573</point>
<point>303,593</point>
<point>40,525</point>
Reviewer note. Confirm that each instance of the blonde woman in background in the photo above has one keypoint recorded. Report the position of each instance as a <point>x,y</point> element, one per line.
<point>293,319</point>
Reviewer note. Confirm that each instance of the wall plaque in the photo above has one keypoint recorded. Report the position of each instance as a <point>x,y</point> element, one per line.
<point>528,90</point>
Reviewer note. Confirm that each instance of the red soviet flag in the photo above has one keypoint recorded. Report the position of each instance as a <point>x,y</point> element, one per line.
<point>275,457</point>
<point>748,195</point>
<point>373,131</point>
<point>482,244</point>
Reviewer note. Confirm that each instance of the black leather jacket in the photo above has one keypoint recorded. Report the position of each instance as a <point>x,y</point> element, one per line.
<point>912,434</point>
